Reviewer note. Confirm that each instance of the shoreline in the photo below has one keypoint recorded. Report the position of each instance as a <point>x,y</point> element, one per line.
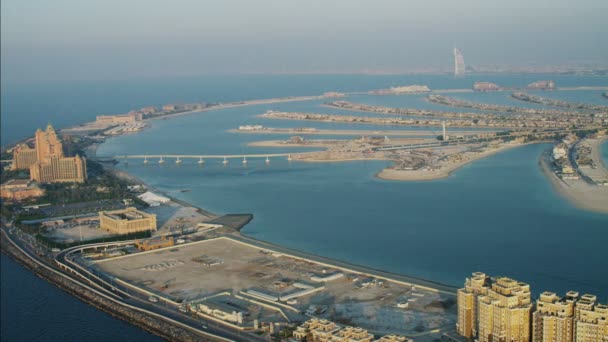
<point>582,196</point>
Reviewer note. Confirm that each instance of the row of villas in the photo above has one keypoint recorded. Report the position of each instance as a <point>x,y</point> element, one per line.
<point>501,309</point>
<point>322,330</point>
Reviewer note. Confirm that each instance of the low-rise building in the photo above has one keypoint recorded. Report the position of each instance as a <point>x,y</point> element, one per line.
<point>485,86</point>
<point>394,338</point>
<point>154,243</point>
<point>126,221</point>
<point>119,118</point>
<point>545,85</point>
<point>153,199</point>
<point>20,189</point>
<point>322,330</point>
<point>224,307</point>
<point>323,278</point>
<point>559,151</point>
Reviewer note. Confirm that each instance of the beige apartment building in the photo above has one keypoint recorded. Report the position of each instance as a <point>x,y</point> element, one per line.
<point>474,287</point>
<point>591,320</point>
<point>553,319</point>
<point>505,312</point>
<point>126,221</point>
<point>500,310</point>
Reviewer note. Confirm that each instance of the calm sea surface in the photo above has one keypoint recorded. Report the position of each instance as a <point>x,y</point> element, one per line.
<point>499,215</point>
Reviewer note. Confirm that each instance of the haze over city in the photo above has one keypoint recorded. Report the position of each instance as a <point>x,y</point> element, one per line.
<point>319,171</point>
<point>67,39</point>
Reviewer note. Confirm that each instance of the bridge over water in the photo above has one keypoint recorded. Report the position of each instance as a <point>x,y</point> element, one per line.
<point>161,158</point>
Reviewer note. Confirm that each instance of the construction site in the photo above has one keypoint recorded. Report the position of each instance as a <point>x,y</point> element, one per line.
<point>247,287</point>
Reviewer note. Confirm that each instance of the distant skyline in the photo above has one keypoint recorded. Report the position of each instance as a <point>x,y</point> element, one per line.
<point>88,40</point>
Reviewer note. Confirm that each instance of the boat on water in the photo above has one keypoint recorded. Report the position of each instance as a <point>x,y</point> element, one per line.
<point>184,190</point>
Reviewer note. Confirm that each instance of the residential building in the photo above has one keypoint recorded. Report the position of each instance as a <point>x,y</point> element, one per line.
<point>591,320</point>
<point>474,287</point>
<point>322,330</point>
<point>553,320</point>
<point>500,310</point>
<point>126,221</point>
<point>352,334</point>
<point>505,312</point>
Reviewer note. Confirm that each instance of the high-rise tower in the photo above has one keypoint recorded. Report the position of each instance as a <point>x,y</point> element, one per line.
<point>458,63</point>
<point>47,163</point>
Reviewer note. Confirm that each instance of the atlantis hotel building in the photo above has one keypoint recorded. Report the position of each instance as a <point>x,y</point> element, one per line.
<point>46,161</point>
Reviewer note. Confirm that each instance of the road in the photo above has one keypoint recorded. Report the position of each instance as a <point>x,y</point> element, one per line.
<point>121,295</point>
<point>135,298</point>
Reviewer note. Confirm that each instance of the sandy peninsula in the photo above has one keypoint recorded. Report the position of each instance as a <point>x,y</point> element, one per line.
<point>442,170</point>
<point>356,132</point>
<point>580,193</point>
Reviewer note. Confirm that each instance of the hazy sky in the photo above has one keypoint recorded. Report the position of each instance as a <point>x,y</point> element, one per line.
<point>76,39</point>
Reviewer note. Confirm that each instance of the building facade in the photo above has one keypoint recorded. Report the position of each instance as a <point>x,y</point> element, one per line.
<point>591,320</point>
<point>60,170</point>
<point>46,162</point>
<point>23,157</point>
<point>126,221</point>
<point>119,118</point>
<point>474,287</point>
<point>19,190</point>
<point>553,320</point>
<point>458,63</point>
<point>505,312</point>
<point>500,310</point>
<point>322,330</point>
<point>48,144</point>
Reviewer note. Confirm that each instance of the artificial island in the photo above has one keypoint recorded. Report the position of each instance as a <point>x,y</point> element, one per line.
<point>188,274</point>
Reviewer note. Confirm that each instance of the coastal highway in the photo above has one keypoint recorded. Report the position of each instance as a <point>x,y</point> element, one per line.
<point>208,330</point>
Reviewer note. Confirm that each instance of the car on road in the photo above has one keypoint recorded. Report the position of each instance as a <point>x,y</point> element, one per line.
<point>153,299</point>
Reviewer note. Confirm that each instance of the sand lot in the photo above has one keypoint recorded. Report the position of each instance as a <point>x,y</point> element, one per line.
<point>192,271</point>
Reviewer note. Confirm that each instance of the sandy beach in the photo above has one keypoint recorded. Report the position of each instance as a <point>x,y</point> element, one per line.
<point>581,194</point>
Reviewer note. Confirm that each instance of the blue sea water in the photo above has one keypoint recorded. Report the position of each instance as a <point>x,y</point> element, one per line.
<point>499,215</point>
<point>34,310</point>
